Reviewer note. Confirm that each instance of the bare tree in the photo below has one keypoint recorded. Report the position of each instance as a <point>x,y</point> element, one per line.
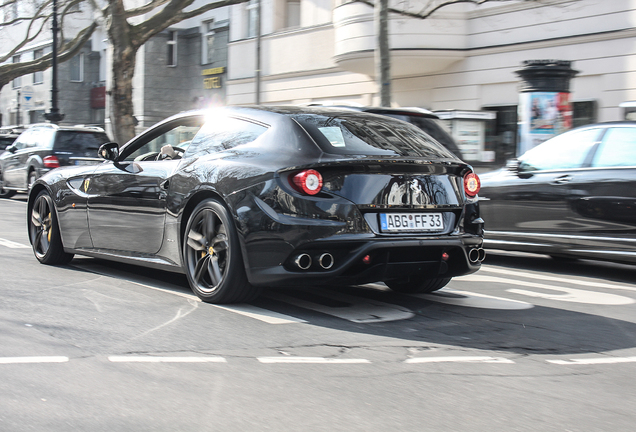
<point>34,27</point>
<point>126,39</point>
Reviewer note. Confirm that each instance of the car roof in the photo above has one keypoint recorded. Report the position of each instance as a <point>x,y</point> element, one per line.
<point>81,128</point>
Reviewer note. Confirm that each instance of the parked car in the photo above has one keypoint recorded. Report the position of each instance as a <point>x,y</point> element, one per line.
<point>6,139</point>
<point>242,198</point>
<point>424,119</point>
<point>573,196</point>
<point>43,147</point>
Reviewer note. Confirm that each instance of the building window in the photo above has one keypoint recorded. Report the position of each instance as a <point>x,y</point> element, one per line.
<point>172,48</point>
<point>18,81</point>
<point>208,42</point>
<point>38,77</point>
<point>77,68</point>
<point>583,113</point>
<point>10,11</point>
<point>252,17</point>
<point>293,13</point>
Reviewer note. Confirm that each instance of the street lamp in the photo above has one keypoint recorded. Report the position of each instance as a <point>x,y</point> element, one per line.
<point>54,116</point>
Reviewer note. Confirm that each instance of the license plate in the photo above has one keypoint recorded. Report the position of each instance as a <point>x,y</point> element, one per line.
<point>411,222</point>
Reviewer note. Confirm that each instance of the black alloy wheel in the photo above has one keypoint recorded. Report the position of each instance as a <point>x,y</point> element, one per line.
<point>212,256</point>
<point>44,232</point>
<point>415,286</point>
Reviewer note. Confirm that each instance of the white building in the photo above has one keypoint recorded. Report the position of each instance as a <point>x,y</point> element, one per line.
<point>463,57</point>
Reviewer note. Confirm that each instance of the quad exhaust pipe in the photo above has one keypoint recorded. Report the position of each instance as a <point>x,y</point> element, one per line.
<point>325,260</point>
<point>476,255</point>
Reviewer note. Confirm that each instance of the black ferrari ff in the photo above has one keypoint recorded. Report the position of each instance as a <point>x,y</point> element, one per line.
<point>241,198</point>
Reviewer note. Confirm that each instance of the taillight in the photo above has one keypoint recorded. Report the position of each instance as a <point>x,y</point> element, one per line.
<point>51,162</point>
<point>307,181</point>
<point>471,184</point>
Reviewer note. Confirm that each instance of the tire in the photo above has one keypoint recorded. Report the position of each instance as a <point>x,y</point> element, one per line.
<point>31,179</point>
<point>418,285</point>
<point>4,193</point>
<point>212,256</point>
<point>44,232</point>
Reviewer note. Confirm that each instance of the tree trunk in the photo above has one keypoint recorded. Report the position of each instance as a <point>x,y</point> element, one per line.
<point>125,50</point>
<point>382,53</point>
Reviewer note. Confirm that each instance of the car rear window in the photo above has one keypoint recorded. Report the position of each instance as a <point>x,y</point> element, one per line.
<point>79,140</point>
<point>348,135</point>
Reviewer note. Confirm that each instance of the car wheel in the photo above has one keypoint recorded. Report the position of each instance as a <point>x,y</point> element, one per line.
<point>418,286</point>
<point>32,178</point>
<point>44,232</point>
<point>212,256</point>
<point>4,193</point>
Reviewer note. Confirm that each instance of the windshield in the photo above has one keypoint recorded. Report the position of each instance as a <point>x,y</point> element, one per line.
<point>358,135</point>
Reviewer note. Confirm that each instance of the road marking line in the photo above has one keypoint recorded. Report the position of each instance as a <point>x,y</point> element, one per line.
<point>459,359</point>
<point>571,295</point>
<point>310,360</point>
<point>264,315</point>
<point>35,359</point>
<point>356,309</point>
<point>474,300</point>
<point>544,277</point>
<point>593,361</point>
<point>155,359</point>
<point>12,244</point>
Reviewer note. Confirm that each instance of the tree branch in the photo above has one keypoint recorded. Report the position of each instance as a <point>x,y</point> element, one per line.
<point>423,14</point>
<point>10,71</point>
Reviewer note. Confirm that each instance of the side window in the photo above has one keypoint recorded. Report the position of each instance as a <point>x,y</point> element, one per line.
<point>223,134</point>
<point>618,148</point>
<point>565,151</point>
<point>175,136</point>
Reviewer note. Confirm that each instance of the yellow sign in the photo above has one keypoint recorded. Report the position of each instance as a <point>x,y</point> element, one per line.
<point>212,83</point>
<point>213,71</point>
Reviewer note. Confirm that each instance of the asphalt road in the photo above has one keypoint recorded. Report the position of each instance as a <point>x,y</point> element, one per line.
<point>526,344</point>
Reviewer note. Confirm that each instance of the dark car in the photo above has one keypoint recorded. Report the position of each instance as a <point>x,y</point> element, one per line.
<point>43,147</point>
<point>424,119</point>
<point>572,196</point>
<point>6,139</point>
<point>242,198</point>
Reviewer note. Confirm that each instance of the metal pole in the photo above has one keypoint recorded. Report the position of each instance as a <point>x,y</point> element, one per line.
<point>18,113</point>
<point>258,52</point>
<point>54,116</point>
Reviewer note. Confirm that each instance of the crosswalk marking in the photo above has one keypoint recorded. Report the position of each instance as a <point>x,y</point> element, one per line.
<point>459,359</point>
<point>317,360</point>
<point>157,359</point>
<point>594,361</point>
<point>33,359</point>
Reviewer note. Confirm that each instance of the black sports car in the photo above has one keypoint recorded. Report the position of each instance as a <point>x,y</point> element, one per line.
<point>245,197</point>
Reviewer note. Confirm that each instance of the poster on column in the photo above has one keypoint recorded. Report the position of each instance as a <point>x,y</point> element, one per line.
<point>544,115</point>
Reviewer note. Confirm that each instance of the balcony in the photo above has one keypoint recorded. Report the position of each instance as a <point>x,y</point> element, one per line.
<point>418,47</point>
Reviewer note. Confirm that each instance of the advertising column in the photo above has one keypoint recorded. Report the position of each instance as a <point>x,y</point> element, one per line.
<point>545,109</point>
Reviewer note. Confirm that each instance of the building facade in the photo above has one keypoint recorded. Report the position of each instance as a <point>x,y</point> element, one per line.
<point>464,57</point>
<point>461,61</point>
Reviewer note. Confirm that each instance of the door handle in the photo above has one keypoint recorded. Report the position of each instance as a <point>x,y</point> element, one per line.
<point>562,179</point>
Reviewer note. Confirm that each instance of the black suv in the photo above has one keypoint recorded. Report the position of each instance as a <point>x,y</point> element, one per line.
<point>43,147</point>
<point>422,118</point>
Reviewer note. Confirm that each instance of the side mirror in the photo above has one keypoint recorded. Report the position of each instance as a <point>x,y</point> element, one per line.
<point>12,148</point>
<point>109,151</point>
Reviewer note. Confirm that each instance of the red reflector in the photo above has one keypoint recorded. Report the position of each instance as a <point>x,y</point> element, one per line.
<point>51,162</point>
<point>445,256</point>
<point>308,181</point>
<point>472,184</point>
<point>367,259</point>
